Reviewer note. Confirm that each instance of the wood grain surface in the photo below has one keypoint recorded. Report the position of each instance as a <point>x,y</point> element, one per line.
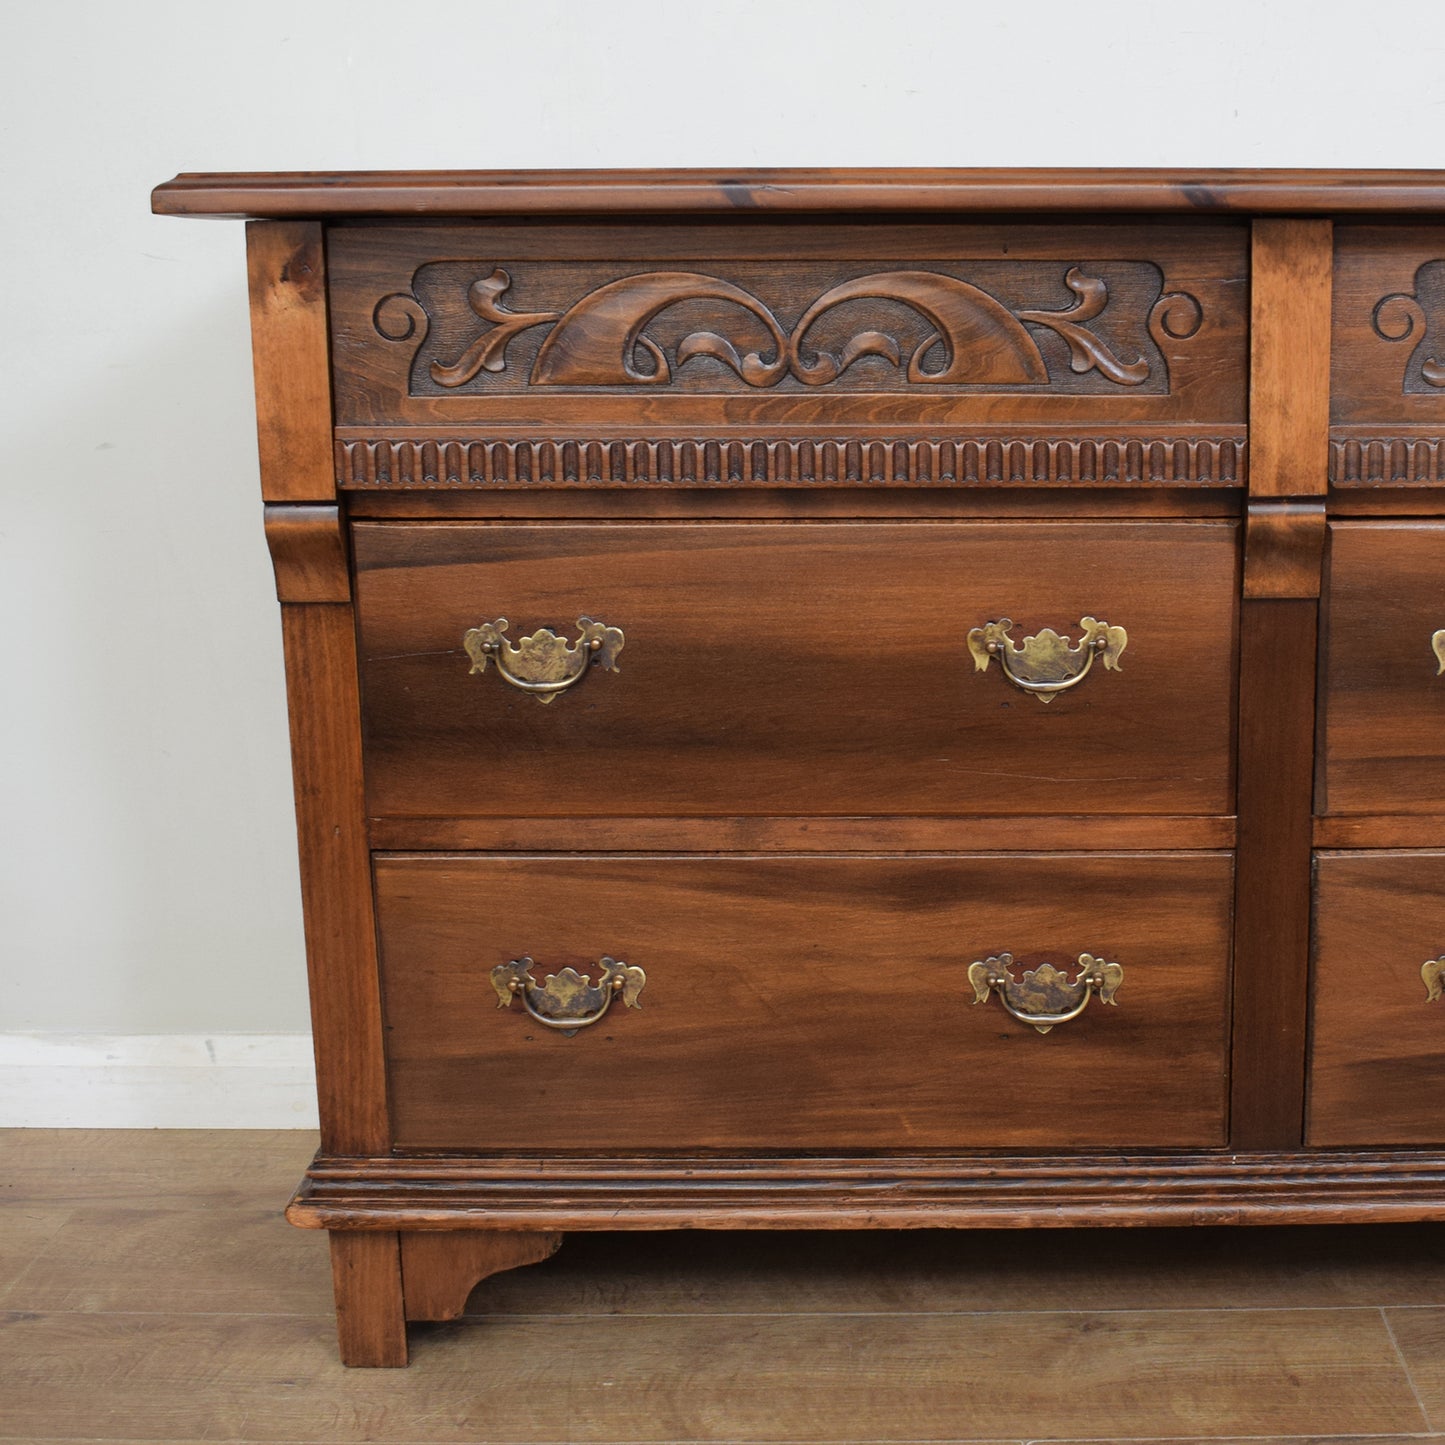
<point>440,1270</point>
<point>321,690</point>
<point>1289,403</point>
<point>1025,833</point>
<point>1388,375</point>
<point>1272,898</point>
<point>692,504</point>
<point>286,261</point>
<point>911,329</point>
<point>775,669</point>
<point>366,1278</point>
<point>1377,1046</point>
<point>1383,698</point>
<point>805,1003</point>
<point>587,192</point>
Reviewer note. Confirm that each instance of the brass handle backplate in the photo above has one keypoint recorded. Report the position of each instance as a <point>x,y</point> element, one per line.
<point>1047,664</point>
<point>1044,997</point>
<point>1432,975</point>
<point>568,1000</point>
<point>544,664</point>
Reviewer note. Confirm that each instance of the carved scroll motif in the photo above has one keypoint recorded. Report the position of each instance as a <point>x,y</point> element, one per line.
<point>959,335</point>
<point>1401,316</point>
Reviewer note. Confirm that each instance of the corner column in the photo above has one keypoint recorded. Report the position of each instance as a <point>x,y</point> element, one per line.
<point>1291,274</point>
<point>306,534</point>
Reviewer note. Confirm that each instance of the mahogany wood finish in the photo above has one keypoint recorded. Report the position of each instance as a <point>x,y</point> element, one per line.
<point>287,268</point>
<point>370,1319</point>
<point>950,353</point>
<point>791,835</point>
<point>796,433</point>
<point>1271,907</point>
<point>1387,404</point>
<point>439,1270</point>
<point>876,1191</point>
<point>336,901</point>
<point>1376,1040</point>
<point>1289,358</point>
<point>616,193</point>
<point>308,552</point>
<point>1384,697</point>
<point>798,669</point>
<point>778,991</point>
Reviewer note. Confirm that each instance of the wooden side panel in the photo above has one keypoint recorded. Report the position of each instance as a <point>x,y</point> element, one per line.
<point>806,1003</point>
<point>1377,1044</point>
<point>1271,910</point>
<point>366,1273</point>
<point>287,266</point>
<point>1289,358</point>
<point>324,705</point>
<point>789,669</point>
<point>1384,697</point>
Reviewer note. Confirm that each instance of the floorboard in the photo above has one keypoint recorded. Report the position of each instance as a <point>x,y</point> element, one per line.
<point>150,1291</point>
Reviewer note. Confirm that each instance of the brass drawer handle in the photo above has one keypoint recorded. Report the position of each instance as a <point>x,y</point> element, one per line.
<point>568,1000</point>
<point>544,664</point>
<point>1046,664</point>
<point>1437,646</point>
<point>1044,997</point>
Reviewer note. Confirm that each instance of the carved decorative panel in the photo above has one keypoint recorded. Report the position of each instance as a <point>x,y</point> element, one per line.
<point>1388,357</point>
<point>1076,340</point>
<point>876,331</point>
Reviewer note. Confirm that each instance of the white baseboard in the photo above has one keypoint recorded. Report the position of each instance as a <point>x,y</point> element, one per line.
<point>157,1081</point>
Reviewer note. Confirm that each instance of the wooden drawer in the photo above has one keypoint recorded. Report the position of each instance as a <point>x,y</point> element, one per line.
<point>805,1002</point>
<point>1377,1050</point>
<point>798,668</point>
<point>1384,697</point>
<point>1387,392</point>
<point>498,331</point>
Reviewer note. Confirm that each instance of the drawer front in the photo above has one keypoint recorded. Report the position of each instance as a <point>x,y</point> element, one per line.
<point>1377,1050</point>
<point>805,1003</point>
<point>502,350</point>
<point>1387,372</point>
<point>1384,693</point>
<point>800,669</point>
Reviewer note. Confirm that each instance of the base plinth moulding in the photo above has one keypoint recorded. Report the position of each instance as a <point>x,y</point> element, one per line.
<point>420,1193</point>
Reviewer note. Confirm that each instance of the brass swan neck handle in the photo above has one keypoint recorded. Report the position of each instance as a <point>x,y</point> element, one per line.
<point>1047,664</point>
<point>1044,997</point>
<point>568,1000</point>
<point>544,664</point>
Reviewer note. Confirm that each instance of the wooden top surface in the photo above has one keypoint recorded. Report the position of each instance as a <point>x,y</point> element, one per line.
<point>697,192</point>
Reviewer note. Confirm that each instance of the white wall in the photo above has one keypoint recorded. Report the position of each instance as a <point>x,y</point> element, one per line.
<point>146,851</point>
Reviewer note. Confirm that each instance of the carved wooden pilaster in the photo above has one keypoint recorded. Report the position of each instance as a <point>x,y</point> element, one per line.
<point>1279,627</point>
<point>286,263</point>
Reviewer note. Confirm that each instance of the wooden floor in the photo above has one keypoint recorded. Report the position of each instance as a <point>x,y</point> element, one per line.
<point>149,1290</point>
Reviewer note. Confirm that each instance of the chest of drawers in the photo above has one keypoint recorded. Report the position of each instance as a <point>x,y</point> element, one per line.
<point>855,700</point>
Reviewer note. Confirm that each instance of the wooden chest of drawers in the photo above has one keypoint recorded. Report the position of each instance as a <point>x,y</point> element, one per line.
<point>846,700</point>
